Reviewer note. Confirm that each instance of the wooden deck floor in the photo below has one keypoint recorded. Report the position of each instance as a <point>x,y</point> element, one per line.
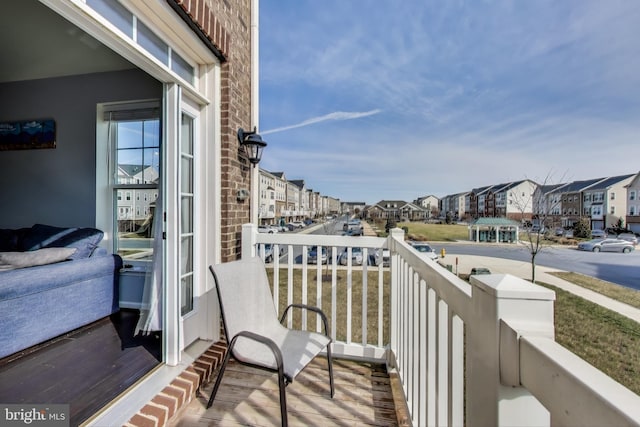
<point>86,368</point>
<point>249,397</point>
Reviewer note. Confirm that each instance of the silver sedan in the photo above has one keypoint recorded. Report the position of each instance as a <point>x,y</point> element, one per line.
<point>606,245</point>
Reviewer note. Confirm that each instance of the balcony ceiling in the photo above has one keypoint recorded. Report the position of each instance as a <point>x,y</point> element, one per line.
<point>37,43</point>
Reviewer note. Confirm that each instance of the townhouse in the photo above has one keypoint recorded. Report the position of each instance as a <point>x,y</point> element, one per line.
<point>633,204</point>
<point>283,200</point>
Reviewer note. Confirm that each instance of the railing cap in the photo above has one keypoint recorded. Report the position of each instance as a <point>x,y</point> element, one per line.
<point>506,286</point>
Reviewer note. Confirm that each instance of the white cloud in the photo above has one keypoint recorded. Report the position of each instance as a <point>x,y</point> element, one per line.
<point>338,115</point>
<point>526,87</point>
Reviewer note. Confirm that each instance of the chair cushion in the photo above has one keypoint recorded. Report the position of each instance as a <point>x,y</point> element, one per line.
<point>247,305</point>
<point>298,348</point>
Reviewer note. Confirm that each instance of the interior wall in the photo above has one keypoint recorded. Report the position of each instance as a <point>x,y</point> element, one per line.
<point>58,186</point>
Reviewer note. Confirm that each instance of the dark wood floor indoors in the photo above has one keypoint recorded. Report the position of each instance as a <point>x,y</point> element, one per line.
<point>86,368</point>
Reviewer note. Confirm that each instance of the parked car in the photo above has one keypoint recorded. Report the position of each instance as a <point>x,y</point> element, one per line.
<point>312,255</point>
<point>479,270</point>
<point>386,257</point>
<point>537,229</point>
<point>598,234</point>
<point>268,251</point>
<point>381,256</point>
<point>559,231</point>
<point>425,249</point>
<point>267,229</point>
<point>614,231</point>
<point>606,245</point>
<point>353,232</point>
<point>294,225</point>
<point>356,256</point>
<point>629,237</point>
<point>352,224</point>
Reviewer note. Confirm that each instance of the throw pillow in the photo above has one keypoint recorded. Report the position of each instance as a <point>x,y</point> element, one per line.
<point>85,240</point>
<point>13,260</point>
<point>41,235</point>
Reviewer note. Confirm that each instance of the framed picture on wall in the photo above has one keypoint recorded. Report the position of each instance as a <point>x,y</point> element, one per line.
<point>28,134</point>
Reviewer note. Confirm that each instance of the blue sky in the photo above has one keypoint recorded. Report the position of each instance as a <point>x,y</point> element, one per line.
<point>385,99</point>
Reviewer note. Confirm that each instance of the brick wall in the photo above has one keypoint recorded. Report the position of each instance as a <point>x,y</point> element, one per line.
<point>230,22</point>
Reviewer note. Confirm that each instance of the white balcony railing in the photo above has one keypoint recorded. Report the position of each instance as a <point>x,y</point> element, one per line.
<point>480,353</point>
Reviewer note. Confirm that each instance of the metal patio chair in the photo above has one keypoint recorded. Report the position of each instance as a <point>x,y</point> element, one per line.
<point>256,336</point>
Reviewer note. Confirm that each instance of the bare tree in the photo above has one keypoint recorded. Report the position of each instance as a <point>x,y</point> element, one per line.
<point>540,204</point>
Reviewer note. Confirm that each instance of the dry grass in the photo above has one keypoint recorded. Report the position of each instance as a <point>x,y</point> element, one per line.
<point>605,339</point>
<point>617,292</point>
<point>342,301</point>
<point>435,232</point>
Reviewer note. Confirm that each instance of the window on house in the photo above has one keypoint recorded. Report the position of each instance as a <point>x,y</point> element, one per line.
<point>612,210</point>
<point>632,210</point>
<point>613,196</point>
<point>133,28</point>
<point>134,140</point>
<point>632,195</point>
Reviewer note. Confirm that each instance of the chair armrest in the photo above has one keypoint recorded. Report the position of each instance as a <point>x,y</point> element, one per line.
<point>277,354</point>
<point>312,308</point>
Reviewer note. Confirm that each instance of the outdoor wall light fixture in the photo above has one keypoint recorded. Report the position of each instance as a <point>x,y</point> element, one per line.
<point>253,145</point>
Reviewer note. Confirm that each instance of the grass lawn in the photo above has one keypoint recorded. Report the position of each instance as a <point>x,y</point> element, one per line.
<point>605,339</point>
<point>435,232</point>
<point>617,292</point>
<point>341,297</point>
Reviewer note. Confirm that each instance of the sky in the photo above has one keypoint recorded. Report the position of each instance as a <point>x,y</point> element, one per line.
<point>369,100</point>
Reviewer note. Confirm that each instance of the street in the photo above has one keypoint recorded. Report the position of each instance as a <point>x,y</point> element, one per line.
<point>622,269</point>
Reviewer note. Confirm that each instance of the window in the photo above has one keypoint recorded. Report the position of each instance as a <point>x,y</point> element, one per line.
<point>632,210</point>
<point>613,196</point>
<point>134,140</point>
<point>612,210</point>
<point>133,28</point>
<point>632,195</point>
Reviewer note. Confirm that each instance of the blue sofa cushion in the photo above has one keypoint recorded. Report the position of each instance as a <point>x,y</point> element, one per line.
<point>85,240</point>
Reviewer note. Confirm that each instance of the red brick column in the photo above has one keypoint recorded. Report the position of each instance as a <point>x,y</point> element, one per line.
<point>164,406</point>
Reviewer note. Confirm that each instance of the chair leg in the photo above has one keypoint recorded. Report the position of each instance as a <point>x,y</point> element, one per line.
<point>283,399</point>
<point>219,379</point>
<point>330,363</point>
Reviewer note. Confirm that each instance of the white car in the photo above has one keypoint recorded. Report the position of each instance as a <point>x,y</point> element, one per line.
<point>425,249</point>
<point>267,229</point>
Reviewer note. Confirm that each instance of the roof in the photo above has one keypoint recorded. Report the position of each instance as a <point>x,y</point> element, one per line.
<point>394,204</point>
<point>578,186</point>
<point>298,183</point>
<point>496,222</point>
<point>608,182</point>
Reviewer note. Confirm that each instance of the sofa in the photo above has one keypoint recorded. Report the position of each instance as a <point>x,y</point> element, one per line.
<point>53,280</point>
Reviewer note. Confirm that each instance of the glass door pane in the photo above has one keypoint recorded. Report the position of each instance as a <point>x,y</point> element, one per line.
<point>186,212</point>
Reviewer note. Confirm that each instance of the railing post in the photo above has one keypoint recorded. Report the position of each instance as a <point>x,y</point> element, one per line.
<point>494,394</point>
<point>249,233</point>
<point>395,234</point>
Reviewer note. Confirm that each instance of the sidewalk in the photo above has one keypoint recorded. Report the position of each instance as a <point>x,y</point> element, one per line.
<point>523,270</point>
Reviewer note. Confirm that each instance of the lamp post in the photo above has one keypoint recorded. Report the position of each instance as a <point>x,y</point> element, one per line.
<point>253,147</point>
